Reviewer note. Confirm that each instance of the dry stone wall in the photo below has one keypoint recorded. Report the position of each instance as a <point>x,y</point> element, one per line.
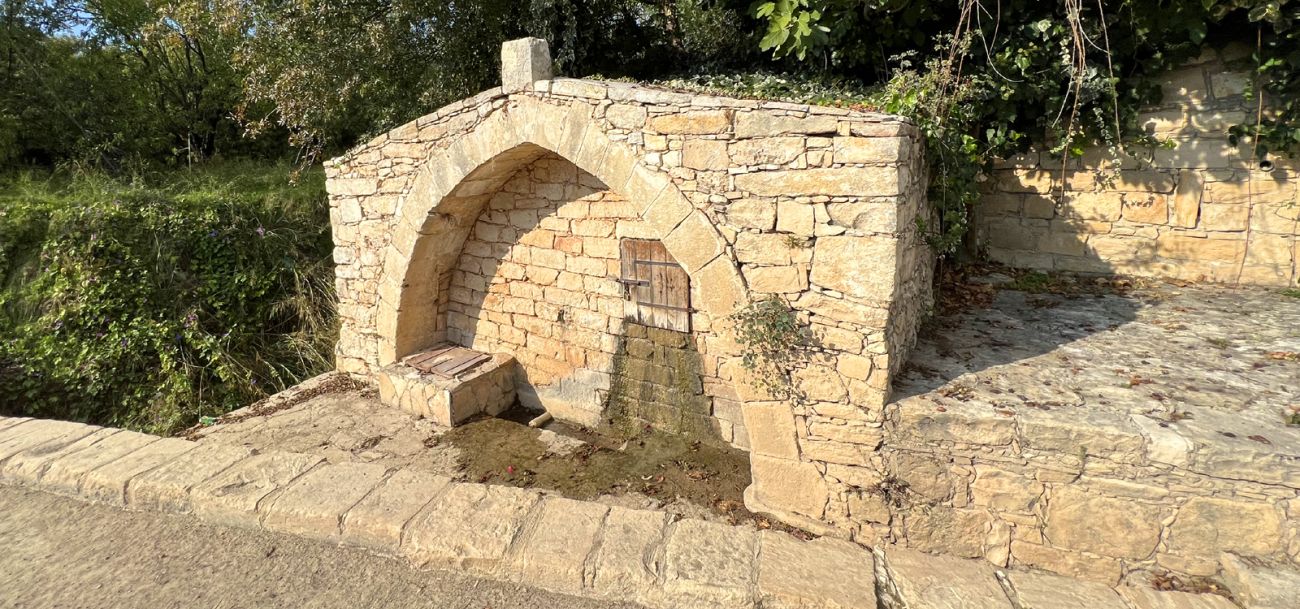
<point>1076,492</point>
<point>449,228</point>
<point>1199,209</point>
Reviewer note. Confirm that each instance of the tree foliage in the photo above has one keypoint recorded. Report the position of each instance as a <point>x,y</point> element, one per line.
<point>147,305</point>
<point>1061,75</point>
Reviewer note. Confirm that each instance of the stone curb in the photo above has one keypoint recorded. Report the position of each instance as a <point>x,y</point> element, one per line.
<point>525,536</point>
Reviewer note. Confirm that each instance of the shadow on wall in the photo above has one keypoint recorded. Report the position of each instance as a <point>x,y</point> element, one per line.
<point>1002,319</point>
<point>657,381</point>
<point>1201,210</point>
<point>539,277</point>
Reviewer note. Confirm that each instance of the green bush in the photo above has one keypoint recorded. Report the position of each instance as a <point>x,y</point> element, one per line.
<point>147,304</point>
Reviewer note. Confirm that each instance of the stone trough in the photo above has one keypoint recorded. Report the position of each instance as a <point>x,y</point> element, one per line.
<point>450,396</point>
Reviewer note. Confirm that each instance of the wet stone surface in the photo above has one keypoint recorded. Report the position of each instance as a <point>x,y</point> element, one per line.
<point>648,470</point>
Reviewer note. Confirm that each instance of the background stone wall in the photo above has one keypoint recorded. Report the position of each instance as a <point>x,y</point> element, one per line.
<point>1199,210</point>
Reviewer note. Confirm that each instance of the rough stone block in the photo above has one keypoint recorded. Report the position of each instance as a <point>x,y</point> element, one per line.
<point>1104,525</point>
<point>1258,586</point>
<point>64,475</point>
<point>825,573</point>
<point>38,432</point>
<point>469,526</point>
<point>1205,526</point>
<point>924,420</point>
<point>771,429</point>
<point>880,150</point>
<point>752,213</point>
<point>7,422</point>
<point>783,486</point>
<point>766,151</point>
<point>862,267</point>
<point>698,122</point>
<point>951,531</point>
<point>1065,433</point>
<point>868,181</point>
<point>1187,198</point>
<point>924,581</point>
<point>709,565</point>
<point>1147,598</point>
<point>694,242</point>
<point>720,288</point>
<point>232,497</point>
<point>523,62</point>
<point>377,521</point>
<point>108,482</point>
<point>167,487</point>
<point>1042,591</point>
<point>624,565</point>
<point>314,504</point>
<point>27,466</point>
<point>763,124</point>
<point>1065,562</point>
<point>1006,491</point>
<point>553,549</point>
<point>707,155</point>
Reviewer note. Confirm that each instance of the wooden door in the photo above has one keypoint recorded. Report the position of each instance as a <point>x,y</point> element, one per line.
<point>658,289</point>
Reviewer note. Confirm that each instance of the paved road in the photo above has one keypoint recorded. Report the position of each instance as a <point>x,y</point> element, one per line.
<point>58,553</point>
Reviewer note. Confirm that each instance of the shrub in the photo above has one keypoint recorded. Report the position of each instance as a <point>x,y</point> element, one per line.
<point>150,303</point>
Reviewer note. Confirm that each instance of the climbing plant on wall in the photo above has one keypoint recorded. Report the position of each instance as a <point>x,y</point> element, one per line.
<point>1006,75</point>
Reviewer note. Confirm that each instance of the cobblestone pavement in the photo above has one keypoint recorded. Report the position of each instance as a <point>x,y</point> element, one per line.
<point>64,553</point>
<point>1224,364</point>
<point>508,534</point>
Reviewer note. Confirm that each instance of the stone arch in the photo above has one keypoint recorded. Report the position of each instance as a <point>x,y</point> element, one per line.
<point>453,184</point>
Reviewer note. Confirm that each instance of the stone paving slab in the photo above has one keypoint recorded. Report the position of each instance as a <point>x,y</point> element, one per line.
<point>107,483</point>
<point>470,526</point>
<point>232,497</point>
<point>1146,598</point>
<point>13,431</point>
<point>708,564</point>
<point>377,521</point>
<point>313,505</point>
<point>1043,591</point>
<point>924,581</point>
<point>58,433</point>
<point>824,573</point>
<point>27,466</point>
<point>1261,586</point>
<point>625,563</point>
<point>64,475</point>
<point>555,543</point>
<point>166,488</point>
<point>552,551</point>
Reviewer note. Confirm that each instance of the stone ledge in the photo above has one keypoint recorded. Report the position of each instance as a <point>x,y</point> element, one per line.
<point>543,541</point>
